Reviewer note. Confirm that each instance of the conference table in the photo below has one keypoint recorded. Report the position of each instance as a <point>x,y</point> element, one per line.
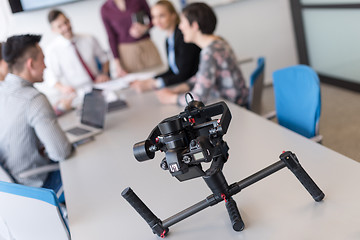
<point>277,207</point>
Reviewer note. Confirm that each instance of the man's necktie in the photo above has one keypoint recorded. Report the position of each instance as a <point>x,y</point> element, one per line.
<point>83,63</point>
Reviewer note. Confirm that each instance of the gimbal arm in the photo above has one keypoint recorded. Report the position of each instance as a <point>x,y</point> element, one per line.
<point>212,110</point>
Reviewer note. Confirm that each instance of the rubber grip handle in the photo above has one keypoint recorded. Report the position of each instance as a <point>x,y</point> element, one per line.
<point>234,214</point>
<point>309,184</point>
<point>154,222</point>
<point>293,164</point>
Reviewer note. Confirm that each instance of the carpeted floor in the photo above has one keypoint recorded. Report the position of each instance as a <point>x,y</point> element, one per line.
<point>339,121</point>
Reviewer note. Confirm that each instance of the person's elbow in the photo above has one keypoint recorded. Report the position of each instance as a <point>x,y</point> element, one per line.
<point>62,152</point>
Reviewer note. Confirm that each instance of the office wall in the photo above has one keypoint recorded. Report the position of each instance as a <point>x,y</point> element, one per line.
<point>253,27</point>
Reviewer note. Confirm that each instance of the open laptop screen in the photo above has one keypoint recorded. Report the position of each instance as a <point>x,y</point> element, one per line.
<point>94,109</point>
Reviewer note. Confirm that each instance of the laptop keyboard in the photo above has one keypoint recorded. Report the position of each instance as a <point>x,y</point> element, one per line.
<point>77,131</point>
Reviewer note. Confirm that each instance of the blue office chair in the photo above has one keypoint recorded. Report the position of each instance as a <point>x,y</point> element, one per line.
<point>298,100</point>
<point>28,213</point>
<point>256,86</point>
<point>6,176</point>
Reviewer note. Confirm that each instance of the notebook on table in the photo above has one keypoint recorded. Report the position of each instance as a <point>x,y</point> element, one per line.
<point>92,118</point>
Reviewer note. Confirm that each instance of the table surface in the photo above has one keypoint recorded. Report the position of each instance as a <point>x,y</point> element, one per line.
<point>277,207</point>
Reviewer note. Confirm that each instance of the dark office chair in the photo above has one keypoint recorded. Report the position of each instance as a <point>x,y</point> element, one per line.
<point>298,100</point>
<point>30,213</point>
<point>5,176</point>
<point>256,86</point>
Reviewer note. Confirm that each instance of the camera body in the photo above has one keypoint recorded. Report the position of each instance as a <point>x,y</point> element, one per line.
<point>188,140</point>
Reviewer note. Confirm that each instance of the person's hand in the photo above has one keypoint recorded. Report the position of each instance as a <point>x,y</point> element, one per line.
<point>102,78</point>
<point>66,89</point>
<point>137,30</point>
<point>120,72</point>
<point>167,96</point>
<point>64,104</point>
<point>144,85</point>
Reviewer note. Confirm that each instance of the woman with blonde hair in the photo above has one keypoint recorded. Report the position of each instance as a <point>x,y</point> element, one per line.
<point>183,58</point>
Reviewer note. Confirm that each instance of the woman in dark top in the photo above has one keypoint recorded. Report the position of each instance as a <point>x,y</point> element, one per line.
<point>183,58</point>
<point>127,23</point>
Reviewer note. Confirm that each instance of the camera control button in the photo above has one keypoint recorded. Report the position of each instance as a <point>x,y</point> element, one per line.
<point>186,159</point>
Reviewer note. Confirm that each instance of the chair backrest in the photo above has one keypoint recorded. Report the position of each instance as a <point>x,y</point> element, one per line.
<point>28,213</point>
<point>256,86</point>
<point>298,99</point>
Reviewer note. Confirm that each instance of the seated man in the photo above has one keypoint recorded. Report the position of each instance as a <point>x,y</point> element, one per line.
<point>30,135</point>
<point>73,60</point>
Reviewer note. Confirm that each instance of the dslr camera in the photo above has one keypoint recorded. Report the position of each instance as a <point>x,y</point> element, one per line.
<point>189,139</point>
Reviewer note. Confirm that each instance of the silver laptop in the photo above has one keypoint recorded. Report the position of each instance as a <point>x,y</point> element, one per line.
<point>92,118</point>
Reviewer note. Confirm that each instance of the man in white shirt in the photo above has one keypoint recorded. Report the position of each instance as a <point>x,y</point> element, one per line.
<point>73,61</point>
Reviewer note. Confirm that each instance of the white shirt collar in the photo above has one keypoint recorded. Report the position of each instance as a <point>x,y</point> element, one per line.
<point>67,42</point>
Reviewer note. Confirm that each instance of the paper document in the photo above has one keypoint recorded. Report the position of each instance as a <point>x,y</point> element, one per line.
<point>123,82</point>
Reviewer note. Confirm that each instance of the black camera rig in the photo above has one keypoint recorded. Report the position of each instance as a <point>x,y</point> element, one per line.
<point>192,138</point>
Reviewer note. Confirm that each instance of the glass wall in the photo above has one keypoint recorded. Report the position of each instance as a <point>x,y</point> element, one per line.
<point>333,42</point>
<point>328,38</point>
<point>329,1</point>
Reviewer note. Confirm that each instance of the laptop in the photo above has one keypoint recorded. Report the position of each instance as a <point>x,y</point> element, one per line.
<point>92,118</point>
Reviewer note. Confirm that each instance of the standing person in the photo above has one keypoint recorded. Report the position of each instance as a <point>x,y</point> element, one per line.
<point>30,135</point>
<point>3,65</point>
<point>219,74</point>
<point>183,58</point>
<point>72,59</point>
<point>127,23</point>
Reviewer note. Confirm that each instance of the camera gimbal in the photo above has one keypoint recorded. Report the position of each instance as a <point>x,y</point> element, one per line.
<point>192,138</point>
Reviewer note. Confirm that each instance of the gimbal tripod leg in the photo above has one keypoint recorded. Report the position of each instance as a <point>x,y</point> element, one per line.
<point>154,222</point>
<point>294,166</point>
<point>234,214</point>
<point>222,191</point>
<point>289,160</point>
<point>216,181</point>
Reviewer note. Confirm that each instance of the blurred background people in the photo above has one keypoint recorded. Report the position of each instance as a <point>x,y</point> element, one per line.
<point>183,58</point>
<point>127,24</point>
<point>219,74</point>
<point>3,65</point>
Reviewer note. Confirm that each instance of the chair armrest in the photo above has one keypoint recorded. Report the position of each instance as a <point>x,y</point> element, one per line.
<point>270,115</point>
<point>317,138</point>
<point>39,170</point>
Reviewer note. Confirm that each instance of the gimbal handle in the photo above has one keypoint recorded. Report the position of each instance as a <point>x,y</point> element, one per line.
<point>154,222</point>
<point>293,164</point>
